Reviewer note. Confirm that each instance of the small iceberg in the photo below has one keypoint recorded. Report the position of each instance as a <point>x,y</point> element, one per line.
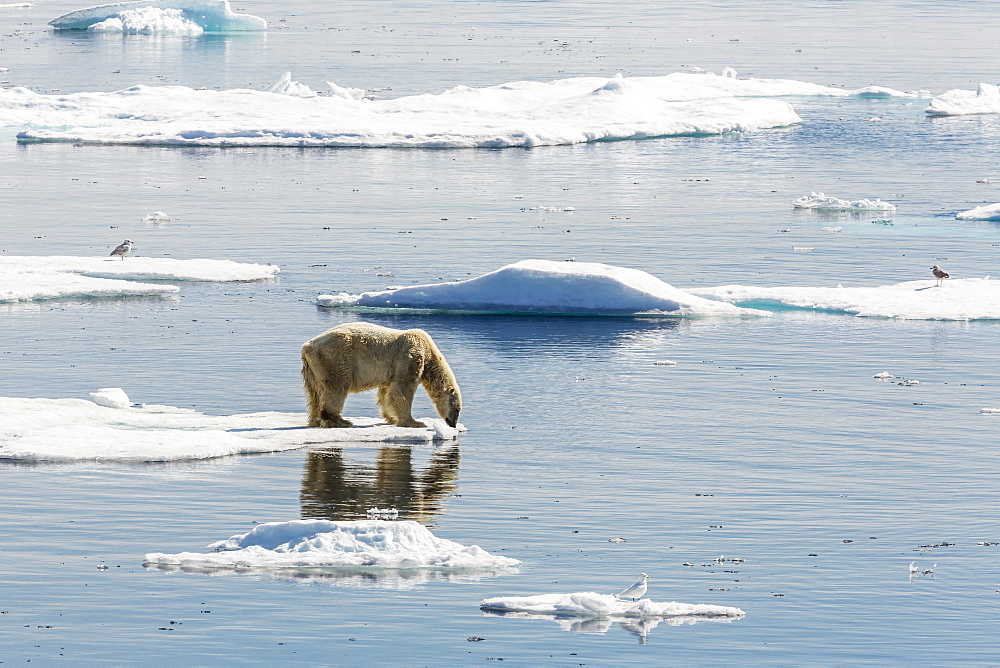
<point>177,17</point>
<point>957,102</point>
<point>26,278</point>
<point>820,202</point>
<point>958,299</point>
<point>355,544</point>
<point>109,428</point>
<point>156,217</point>
<point>985,212</point>
<point>605,606</point>
<point>546,287</point>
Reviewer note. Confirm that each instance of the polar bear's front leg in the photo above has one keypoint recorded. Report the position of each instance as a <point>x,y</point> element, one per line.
<point>396,402</point>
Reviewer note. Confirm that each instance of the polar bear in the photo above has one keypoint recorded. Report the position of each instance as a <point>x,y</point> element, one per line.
<point>360,356</point>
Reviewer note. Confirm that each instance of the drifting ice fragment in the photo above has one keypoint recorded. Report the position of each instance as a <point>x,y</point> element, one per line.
<point>207,15</point>
<point>374,544</point>
<point>156,217</point>
<point>664,363</point>
<point>111,397</point>
<point>592,604</point>
<point>990,411</point>
<point>382,513</point>
<point>883,375</point>
<point>984,212</point>
<point>820,202</point>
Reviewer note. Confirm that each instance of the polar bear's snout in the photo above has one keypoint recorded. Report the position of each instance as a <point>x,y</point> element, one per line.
<point>454,408</point>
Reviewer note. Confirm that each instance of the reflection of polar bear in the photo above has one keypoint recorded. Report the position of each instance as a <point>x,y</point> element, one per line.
<point>360,356</point>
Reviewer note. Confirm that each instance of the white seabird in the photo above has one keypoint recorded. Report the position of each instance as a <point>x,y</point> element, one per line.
<point>122,250</point>
<point>636,591</point>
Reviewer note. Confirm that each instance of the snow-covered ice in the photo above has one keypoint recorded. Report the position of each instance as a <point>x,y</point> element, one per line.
<point>984,212</point>
<point>959,102</point>
<point>594,605</point>
<point>958,299</point>
<point>370,544</point>
<point>33,278</point>
<point>820,202</point>
<point>990,411</point>
<point>185,17</point>
<point>523,113</point>
<point>545,286</point>
<point>77,429</point>
<point>17,5</point>
<point>111,397</point>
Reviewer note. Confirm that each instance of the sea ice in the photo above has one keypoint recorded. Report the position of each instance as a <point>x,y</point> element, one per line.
<point>111,397</point>
<point>156,217</point>
<point>33,278</point>
<point>592,604</point>
<point>958,102</point>
<point>985,212</point>
<point>155,16</point>
<point>524,113</point>
<point>990,411</point>
<point>17,5</point>
<point>285,86</point>
<point>820,202</point>
<point>371,544</point>
<point>545,286</point>
<point>76,429</point>
<point>958,299</point>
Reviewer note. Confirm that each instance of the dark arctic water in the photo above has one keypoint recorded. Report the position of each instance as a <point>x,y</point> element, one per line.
<point>769,441</point>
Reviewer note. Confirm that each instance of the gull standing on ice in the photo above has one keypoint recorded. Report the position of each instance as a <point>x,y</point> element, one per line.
<point>939,273</point>
<point>636,591</point>
<point>122,250</point>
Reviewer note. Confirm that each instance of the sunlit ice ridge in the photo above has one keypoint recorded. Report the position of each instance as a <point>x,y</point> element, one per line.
<point>517,114</point>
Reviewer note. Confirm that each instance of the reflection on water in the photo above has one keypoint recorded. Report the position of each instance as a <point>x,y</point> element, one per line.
<point>336,489</point>
<point>639,627</point>
<point>525,334</point>
<point>352,578</point>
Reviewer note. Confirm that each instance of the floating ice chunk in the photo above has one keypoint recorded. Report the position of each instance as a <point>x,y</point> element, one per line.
<point>382,513</point>
<point>592,604</point>
<point>76,429</point>
<point>148,21</point>
<point>729,72</point>
<point>17,5</point>
<point>546,287</point>
<point>803,249</point>
<point>990,411</point>
<point>819,201</point>
<point>111,397</point>
<point>27,286</point>
<point>285,86</point>
<point>156,217</point>
<point>138,268</point>
<point>831,230</point>
<point>883,375</point>
<point>958,102</point>
<point>985,212</point>
<point>374,544</point>
<point>346,92</point>
<point>664,363</point>
<point>961,299</point>
<point>208,15</point>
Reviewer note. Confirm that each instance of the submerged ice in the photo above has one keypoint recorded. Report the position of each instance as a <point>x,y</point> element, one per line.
<point>371,544</point>
<point>184,17</point>
<point>957,299</point>
<point>109,429</point>
<point>524,113</point>
<point>544,286</point>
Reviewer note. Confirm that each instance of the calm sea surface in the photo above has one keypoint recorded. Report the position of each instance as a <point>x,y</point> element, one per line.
<point>769,441</point>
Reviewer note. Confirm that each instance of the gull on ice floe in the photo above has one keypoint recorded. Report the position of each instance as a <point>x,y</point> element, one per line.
<point>122,249</point>
<point>546,287</point>
<point>636,591</point>
<point>939,274</point>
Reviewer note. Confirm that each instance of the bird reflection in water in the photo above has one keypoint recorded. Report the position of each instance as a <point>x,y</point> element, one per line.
<point>337,489</point>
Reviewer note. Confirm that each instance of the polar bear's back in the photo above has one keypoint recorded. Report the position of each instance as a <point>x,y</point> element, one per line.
<point>369,355</point>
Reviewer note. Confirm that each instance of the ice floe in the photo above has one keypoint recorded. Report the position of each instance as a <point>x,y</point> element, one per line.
<point>524,113</point>
<point>33,278</point>
<point>604,606</point>
<point>354,544</point>
<point>958,299</point>
<point>546,287</point>
<point>77,430</point>
<point>990,411</point>
<point>16,5</point>
<point>156,217</point>
<point>958,102</point>
<point>820,202</point>
<point>185,17</point>
<point>984,212</point>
